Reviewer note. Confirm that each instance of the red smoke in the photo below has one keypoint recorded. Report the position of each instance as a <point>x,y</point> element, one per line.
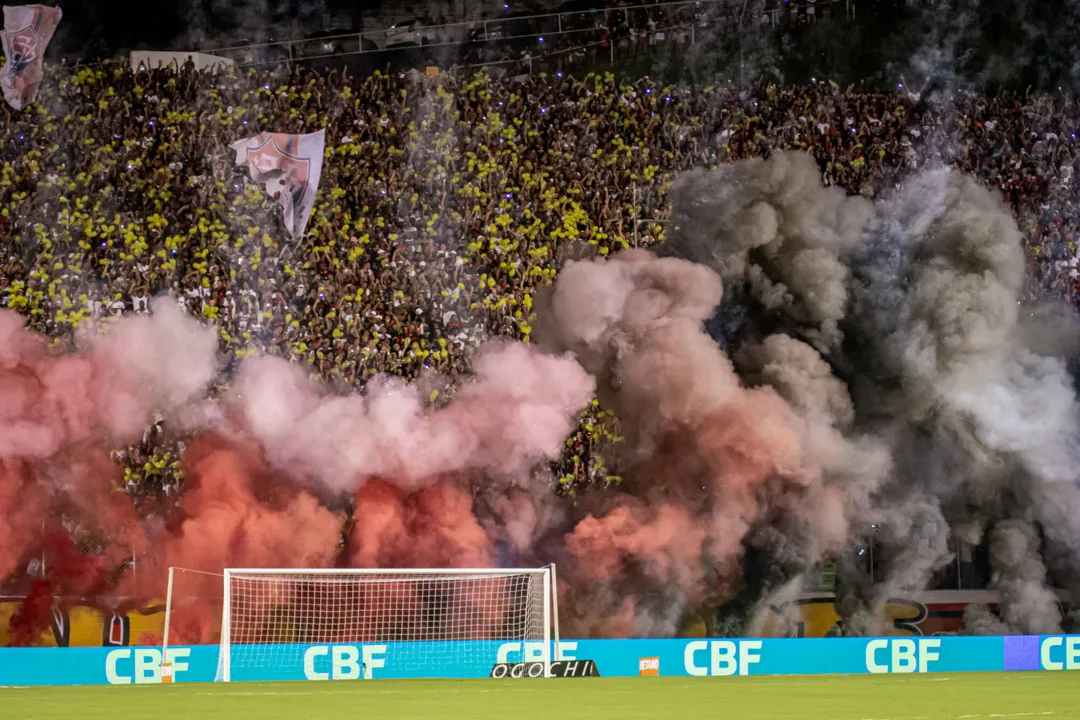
<point>271,472</point>
<point>23,503</point>
<point>71,574</point>
<point>241,505</point>
<point>56,411</point>
<point>431,528</point>
<point>33,615</point>
<point>60,413</point>
<point>235,513</point>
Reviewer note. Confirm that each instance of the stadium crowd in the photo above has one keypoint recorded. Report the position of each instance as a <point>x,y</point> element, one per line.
<point>445,203</point>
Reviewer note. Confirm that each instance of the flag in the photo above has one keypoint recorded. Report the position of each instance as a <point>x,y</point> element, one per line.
<point>289,167</point>
<point>27,31</point>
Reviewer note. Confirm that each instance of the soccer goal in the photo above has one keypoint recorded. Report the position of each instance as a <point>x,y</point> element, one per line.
<point>352,624</point>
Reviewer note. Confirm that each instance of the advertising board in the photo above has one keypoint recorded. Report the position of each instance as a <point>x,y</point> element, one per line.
<point>705,658</point>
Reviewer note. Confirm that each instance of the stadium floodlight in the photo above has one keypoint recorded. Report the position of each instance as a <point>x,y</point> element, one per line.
<point>295,624</point>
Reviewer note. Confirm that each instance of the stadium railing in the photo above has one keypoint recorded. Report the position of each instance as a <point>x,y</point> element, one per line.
<point>689,14</point>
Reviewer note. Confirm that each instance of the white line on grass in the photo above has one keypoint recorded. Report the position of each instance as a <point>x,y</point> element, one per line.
<point>1021,714</point>
<point>969,717</point>
<point>439,691</point>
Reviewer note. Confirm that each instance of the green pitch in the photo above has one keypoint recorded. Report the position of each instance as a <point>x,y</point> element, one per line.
<point>883,697</point>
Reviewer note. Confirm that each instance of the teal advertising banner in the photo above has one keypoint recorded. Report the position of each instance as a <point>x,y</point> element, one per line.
<point>706,657</point>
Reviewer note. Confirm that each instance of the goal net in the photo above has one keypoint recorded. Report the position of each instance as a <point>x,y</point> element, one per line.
<point>352,624</point>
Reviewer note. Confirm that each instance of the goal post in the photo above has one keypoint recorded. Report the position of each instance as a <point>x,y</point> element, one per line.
<point>349,624</point>
<point>192,612</point>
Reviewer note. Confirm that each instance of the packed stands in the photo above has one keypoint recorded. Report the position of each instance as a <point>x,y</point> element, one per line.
<point>445,203</point>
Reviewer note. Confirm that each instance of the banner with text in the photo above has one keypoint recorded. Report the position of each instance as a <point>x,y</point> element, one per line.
<point>707,657</point>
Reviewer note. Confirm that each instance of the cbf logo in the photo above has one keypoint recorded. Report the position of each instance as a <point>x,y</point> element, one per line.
<point>343,662</point>
<point>721,658</point>
<point>902,655</point>
<point>141,666</point>
<point>533,651</point>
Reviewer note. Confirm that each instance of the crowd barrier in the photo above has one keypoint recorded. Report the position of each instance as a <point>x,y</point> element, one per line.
<point>606,658</point>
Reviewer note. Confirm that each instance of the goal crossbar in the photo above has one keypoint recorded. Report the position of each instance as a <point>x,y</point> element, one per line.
<point>409,571</point>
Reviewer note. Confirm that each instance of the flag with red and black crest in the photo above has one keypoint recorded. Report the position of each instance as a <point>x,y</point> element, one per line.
<point>289,168</point>
<point>27,31</point>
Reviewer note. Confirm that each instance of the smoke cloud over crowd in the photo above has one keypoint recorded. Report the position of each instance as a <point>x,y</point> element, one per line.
<point>798,374</point>
<point>906,319</point>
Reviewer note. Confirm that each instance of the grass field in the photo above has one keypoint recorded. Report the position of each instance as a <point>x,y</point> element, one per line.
<point>881,697</point>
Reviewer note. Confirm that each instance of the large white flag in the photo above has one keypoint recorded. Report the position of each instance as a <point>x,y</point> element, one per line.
<point>27,31</point>
<point>289,167</point>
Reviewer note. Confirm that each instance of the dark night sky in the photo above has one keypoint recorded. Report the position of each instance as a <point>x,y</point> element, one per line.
<point>94,28</point>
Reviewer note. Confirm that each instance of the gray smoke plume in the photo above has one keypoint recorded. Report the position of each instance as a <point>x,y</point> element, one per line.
<point>727,486</point>
<point>979,619</point>
<point>1027,605</point>
<point>800,375</point>
<point>895,331</point>
<point>771,230</point>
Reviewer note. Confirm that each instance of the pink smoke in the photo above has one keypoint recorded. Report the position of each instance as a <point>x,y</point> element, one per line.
<point>516,412</point>
<point>410,466</point>
<point>111,391</point>
<point>431,484</point>
<point>60,412</point>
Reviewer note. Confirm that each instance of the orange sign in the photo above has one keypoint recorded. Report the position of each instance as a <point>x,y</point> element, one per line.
<point>649,667</point>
